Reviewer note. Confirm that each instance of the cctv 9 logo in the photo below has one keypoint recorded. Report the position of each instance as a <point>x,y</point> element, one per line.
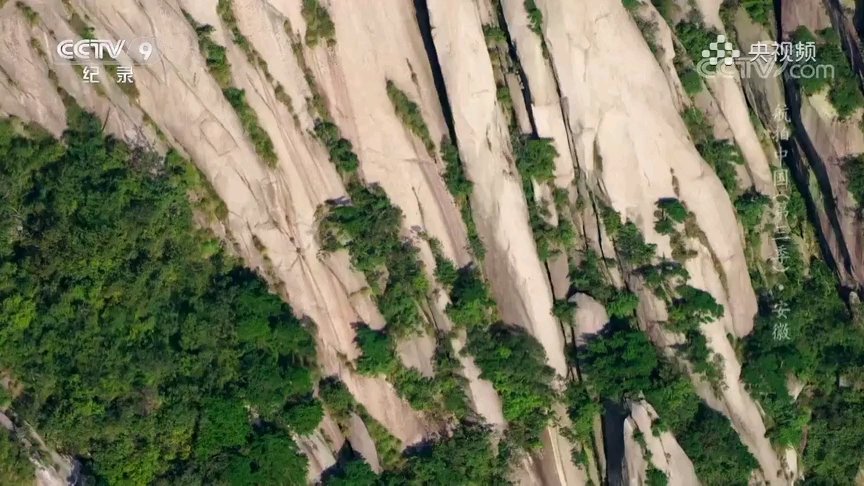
<point>142,50</point>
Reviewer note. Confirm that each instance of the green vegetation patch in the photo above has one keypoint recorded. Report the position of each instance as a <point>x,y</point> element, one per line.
<point>340,149</point>
<point>410,115</point>
<point>341,404</point>
<point>655,477</point>
<point>369,229</point>
<point>507,356</point>
<point>101,253</point>
<point>471,304</point>
<point>465,457</point>
<point>260,139</point>
<point>622,363</point>
<point>445,390</point>
<point>761,11</point>
<point>692,308</point>
<point>350,470</point>
<point>535,158</point>
<point>377,351</point>
<point>494,34</point>
<point>581,409</point>
<point>515,363</point>
<point>696,37</point>
<point>722,155</point>
<point>319,25</point>
<point>750,207</point>
<point>214,55</point>
<point>629,242</point>
<point>219,67</point>
<point>31,15</point>
<point>665,8</point>
<point>460,187</point>
<point>204,198</point>
<point>226,13</point>
<point>688,307</point>
<point>535,161</point>
<point>669,212</point>
<point>691,81</point>
<point>450,383</point>
<point>853,168</point>
<point>806,330</point>
<point>589,278</point>
<point>841,81</point>
<point>549,239</point>
<point>535,17</point>
<point>15,466</point>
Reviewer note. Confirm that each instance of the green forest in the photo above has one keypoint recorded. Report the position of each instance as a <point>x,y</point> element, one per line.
<point>134,340</point>
<point>138,344</point>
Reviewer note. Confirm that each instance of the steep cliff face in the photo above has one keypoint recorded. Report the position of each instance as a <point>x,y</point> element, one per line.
<point>529,150</point>
<point>623,114</point>
<point>272,210</point>
<point>827,136</point>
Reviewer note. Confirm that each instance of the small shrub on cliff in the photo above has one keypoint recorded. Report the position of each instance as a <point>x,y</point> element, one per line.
<point>588,277</point>
<point>760,11</point>
<point>619,363</point>
<point>260,139</point>
<point>854,170</point>
<point>515,363</point>
<point>535,17</point>
<point>336,398</point>
<point>454,174</point>
<point>409,113</point>
<point>471,303</point>
<point>378,355</point>
<point>722,156</point>
<point>691,81</point>
<point>460,187</point>
<point>624,363</point>
<point>31,15</point>
<point>340,149</point>
<point>655,477</point>
<point>750,206</point>
<point>632,247</point>
<point>692,308</point>
<point>303,416</point>
<point>697,126</point>
<point>669,212</point>
<point>319,25</point>
<point>564,310</point>
<point>843,84</point>
<point>673,208</point>
<point>623,304</point>
<point>535,158</point>
<point>695,37</point>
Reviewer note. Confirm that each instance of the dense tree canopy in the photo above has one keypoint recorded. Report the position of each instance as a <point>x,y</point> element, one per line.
<point>622,364</point>
<point>15,467</point>
<point>465,458</point>
<point>139,344</point>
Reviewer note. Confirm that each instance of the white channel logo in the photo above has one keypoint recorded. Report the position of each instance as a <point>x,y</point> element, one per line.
<point>142,50</point>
